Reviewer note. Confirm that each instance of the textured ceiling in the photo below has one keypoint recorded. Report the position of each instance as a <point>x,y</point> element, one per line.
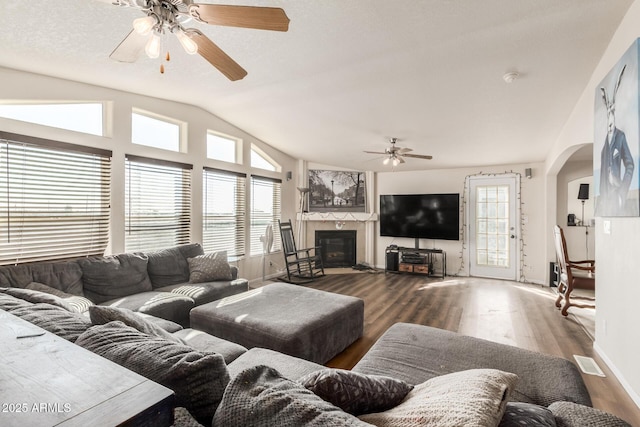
<point>350,74</point>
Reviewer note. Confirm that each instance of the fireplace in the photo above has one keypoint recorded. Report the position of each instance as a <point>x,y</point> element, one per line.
<point>337,247</point>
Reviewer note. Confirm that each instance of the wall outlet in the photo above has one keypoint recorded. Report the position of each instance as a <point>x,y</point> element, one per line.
<point>606,226</point>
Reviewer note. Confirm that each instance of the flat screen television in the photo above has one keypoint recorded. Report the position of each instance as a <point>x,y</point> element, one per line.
<point>420,216</point>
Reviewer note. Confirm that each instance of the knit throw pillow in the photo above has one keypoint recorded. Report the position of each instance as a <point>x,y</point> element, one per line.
<point>209,267</point>
<point>476,397</point>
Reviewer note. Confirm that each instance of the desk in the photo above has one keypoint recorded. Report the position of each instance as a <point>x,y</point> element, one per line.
<point>46,380</point>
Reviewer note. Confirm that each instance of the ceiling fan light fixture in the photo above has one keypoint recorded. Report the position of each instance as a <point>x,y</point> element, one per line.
<point>187,42</point>
<point>144,25</point>
<point>386,161</point>
<point>396,161</point>
<point>152,48</point>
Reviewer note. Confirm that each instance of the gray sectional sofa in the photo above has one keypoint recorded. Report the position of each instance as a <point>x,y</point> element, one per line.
<point>155,283</point>
<point>219,383</point>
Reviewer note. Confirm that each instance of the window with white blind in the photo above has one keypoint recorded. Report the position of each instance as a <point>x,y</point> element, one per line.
<point>157,204</point>
<point>54,199</point>
<point>223,215</point>
<point>265,210</point>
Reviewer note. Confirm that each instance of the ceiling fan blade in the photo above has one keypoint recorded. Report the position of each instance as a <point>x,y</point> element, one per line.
<point>261,18</point>
<point>216,56</point>
<point>375,152</point>
<point>130,49</point>
<point>418,156</point>
<point>403,150</point>
<point>400,160</point>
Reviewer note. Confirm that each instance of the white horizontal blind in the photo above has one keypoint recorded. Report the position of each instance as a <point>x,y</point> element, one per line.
<point>265,209</point>
<point>157,204</point>
<point>54,199</point>
<point>224,209</point>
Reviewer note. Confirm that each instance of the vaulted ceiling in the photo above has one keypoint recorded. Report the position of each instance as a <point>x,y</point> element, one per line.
<point>348,75</point>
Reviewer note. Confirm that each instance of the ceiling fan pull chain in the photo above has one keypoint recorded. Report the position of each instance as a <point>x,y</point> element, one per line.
<point>161,68</point>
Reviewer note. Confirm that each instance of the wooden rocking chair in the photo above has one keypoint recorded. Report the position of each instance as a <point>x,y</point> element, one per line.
<point>572,275</point>
<point>303,265</point>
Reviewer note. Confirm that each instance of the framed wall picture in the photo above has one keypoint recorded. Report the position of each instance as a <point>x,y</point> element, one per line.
<point>331,191</point>
<point>617,139</point>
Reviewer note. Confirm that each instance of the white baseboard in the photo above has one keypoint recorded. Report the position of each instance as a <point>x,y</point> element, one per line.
<point>271,276</point>
<point>616,372</point>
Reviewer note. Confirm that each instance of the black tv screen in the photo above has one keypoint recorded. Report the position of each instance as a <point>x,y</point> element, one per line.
<point>424,216</point>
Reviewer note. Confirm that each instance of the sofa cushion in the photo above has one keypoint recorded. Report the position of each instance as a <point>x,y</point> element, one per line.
<point>165,305</point>
<point>400,353</point>
<point>202,341</point>
<point>209,267</point>
<point>198,379</point>
<point>169,266</point>
<point>290,367</point>
<point>569,414</point>
<point>64,275</point>
<point>114,276</point>
<point>475,397</point>
<point>261,397</point>
<point>100,315</point>
<point>165,324</point>
<point>203,293</point>
<point>356,393</point>
<point>77,303</point>
<point>520,414</point>
<point>54,319</point>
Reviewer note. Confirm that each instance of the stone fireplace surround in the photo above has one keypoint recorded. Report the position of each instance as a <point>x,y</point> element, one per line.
<point>362,223</point>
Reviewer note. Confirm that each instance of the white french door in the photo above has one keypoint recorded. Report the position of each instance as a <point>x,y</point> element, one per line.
<point>493,212</point>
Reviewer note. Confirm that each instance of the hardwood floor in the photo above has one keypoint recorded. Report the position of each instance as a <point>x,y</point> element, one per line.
<point>511,313</point>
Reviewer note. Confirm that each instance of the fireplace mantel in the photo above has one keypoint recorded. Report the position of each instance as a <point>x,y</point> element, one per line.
<point>338,216</point>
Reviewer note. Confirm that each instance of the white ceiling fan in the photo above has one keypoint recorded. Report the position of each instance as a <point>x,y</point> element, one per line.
<point>395,155</point>
<point>170,16</point>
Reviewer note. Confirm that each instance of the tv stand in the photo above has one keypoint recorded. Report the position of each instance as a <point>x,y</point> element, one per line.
<point>415,260</point>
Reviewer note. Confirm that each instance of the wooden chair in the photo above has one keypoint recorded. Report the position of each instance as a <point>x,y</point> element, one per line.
<point>572,275</point>
<point>303,265</point>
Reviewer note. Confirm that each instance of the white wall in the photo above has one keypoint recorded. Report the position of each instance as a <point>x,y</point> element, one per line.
<point>24,86</point>
<point>618,269</point>
<point>535,268</point>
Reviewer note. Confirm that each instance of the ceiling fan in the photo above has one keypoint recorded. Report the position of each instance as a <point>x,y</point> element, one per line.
<point>170,16</point>
<point>395,154</point>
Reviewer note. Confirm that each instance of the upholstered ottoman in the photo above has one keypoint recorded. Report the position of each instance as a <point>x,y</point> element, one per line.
<point>302,322</point>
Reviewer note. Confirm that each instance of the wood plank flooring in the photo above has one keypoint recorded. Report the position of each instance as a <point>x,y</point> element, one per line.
<point>511,313</point>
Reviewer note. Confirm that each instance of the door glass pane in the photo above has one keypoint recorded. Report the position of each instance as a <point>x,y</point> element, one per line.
<point>492,231</point>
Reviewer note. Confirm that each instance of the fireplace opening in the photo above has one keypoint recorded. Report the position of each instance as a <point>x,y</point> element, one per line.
<point>337,247</point>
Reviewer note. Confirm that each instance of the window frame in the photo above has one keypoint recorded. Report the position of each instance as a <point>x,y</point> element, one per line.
<point>238,248</point>
<point>275,216</point>
<point>181,127</point>
<point>65,220</point>
<point>149,198</point>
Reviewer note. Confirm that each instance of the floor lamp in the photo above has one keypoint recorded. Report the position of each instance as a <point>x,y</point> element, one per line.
<point>583,196</point>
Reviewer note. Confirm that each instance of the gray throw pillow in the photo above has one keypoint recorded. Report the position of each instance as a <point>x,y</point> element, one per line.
<point>197,378</point>
<point>520,414</point>
<point>54,319</point>
<point>356,393</point>
<point>573,414</point>
<point>100,315</point>
<point>209,267</point>
<point>260,397</point>
<point>475,397</point>
<point>114,276</point>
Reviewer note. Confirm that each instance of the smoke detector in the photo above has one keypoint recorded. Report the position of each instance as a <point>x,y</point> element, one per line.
<point>510,76</point>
